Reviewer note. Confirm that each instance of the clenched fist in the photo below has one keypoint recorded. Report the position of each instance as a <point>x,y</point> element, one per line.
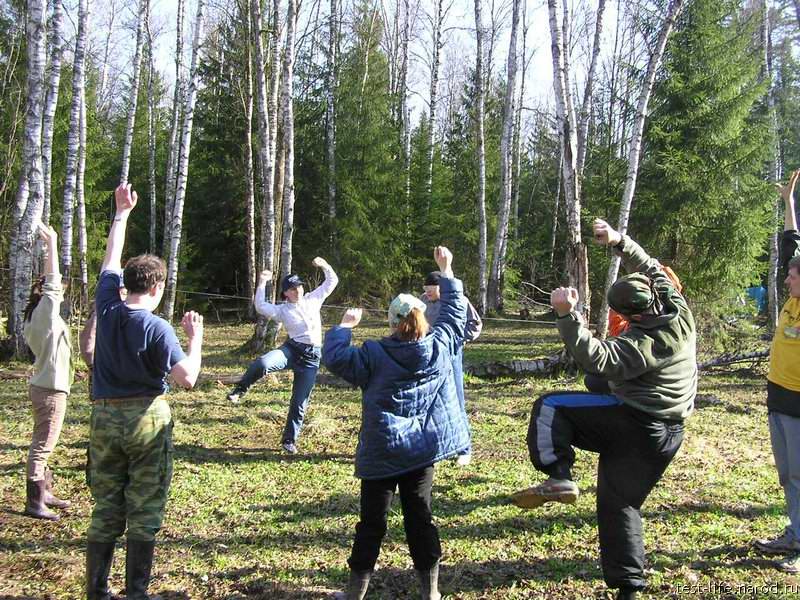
<point>351,318</point>
<point>564,300</point>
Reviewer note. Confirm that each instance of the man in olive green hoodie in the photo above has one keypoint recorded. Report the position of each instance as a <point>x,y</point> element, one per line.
<point>638,428</point>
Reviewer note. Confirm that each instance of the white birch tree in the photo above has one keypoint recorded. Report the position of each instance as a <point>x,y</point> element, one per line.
<point>576,256</point>
<point>134,91</point>
<point>288,140</point>
<point>436,51</point>
<point>246,98</point>
<point>175,126</point>
<point>151,134</point>
<point>635,149</point>
<point>73,137</point>
<point>176,222</point>
<point>480,96</point>
<point>51,101</point>
<point>80,201</point>
<point>330,111</point>
<point>495,291</point>
<point>30,196</point>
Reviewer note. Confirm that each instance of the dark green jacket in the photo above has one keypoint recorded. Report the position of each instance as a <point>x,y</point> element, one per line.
<point>652,366</point>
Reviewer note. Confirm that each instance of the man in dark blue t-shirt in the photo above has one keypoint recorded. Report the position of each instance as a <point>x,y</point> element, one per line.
<point>130,438</point>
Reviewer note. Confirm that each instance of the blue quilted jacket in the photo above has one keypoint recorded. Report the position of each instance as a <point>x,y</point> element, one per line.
<point>410,416</point>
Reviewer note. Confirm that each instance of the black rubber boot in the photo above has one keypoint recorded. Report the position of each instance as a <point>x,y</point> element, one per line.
<point>34,501</point>
<point>627,593</point>
<point>99,556</point>
<point>429,583</point>
<point>49,498</point>
<point>138,563</point>
<point>356,586</point>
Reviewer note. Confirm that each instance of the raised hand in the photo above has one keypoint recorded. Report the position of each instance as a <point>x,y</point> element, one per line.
<point>605,234</point>
<point>444,260</point>
<point>787,191</point>
<point>47,234</point>
<point>319,262</point>
<point>564,300</point>
<point>125,198</point>
<point>192,324</point>
<point>351,318</point>
<point>266,275</point>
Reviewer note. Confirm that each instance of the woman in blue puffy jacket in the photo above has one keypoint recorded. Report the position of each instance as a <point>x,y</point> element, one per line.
<point>410,420</point>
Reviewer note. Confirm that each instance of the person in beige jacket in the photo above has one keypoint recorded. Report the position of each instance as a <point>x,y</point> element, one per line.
<point>48,337</point>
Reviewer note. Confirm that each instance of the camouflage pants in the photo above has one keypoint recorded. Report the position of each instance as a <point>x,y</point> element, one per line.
<point>129,467</point>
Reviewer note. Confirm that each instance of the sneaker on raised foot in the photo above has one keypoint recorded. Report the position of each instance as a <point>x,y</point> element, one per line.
<point>790,564</point>
<point>463,460</point>
<point>782,544</point>
<point>235,397</point>
<point>289,448</point>
<point>551,490</point>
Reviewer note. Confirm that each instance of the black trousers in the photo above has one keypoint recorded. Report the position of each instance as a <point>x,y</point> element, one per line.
<point>415,500</point>
<point>635,450</point>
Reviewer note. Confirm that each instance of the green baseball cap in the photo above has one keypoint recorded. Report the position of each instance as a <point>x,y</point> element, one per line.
<point>632,294</point>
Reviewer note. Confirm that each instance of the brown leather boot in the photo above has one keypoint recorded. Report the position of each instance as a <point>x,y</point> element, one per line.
<point>34,502</point>
<point>49,498</point>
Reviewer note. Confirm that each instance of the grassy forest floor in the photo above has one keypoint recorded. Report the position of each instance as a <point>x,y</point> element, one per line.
<point>245,521</point>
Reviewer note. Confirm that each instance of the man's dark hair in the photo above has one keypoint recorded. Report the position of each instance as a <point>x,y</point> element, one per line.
<point>143,272</point>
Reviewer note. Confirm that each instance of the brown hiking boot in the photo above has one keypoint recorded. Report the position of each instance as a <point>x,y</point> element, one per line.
<point>551,490</point>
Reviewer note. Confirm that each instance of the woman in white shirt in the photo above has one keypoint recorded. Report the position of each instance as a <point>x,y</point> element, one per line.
<point>302,349</point>
<point>48,337</point>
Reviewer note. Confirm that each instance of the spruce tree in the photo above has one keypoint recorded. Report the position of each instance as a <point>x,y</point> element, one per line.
<point>704,201</point>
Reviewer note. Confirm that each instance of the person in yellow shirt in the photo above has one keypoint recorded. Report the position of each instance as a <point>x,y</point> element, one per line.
<point>783,391</point>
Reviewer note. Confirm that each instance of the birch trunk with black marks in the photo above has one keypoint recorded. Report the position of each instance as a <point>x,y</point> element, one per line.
<point>576,256</point>
<point>635,149</point>
<point>330,115</point>
<point>253,33</point>
<point>80,218</point>
<point>495,287</point>
<point>30,196</point>
<point>101,92</point>
<point>480,96</point>
<point>174,144</point>
<point>73,138</point>
<point>53,82</point>
<point>134,91</point>
<point>151,133</point>
<point>586,104</point>
<point>274,90</point>
<point>436,51</point>
<point>517,150</point>
<point>774,174</point>
<point>176,225</point>
<point>405,116</point>
<point>288,141</point>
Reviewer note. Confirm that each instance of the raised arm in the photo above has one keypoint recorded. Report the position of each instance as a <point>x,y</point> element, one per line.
<point>186,372</point>
<point>616,358</point>
<point>52,291</point>
<point>49,238</point>
<point>125,199</point>
<point>790,244</point>
<point>449,326</point>
<point>326,288</point>
<point>268,309</point>
<point>634,257</point>
<point>342,359</point>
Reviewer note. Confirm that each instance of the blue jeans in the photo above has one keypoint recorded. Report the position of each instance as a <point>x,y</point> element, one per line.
<point>458,372</point>
<point>303,359</point>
